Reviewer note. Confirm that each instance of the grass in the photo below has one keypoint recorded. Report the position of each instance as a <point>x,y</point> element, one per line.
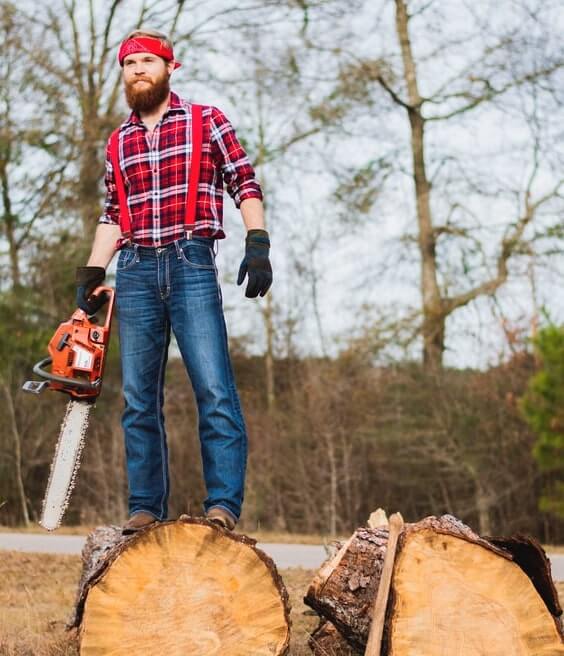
<point>37,594</point>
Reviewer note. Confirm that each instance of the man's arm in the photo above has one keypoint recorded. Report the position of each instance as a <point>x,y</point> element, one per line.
<point>252,212</point>
<point>104,245</point>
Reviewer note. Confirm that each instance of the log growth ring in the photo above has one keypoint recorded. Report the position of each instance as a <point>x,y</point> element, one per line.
<point>186,587</point>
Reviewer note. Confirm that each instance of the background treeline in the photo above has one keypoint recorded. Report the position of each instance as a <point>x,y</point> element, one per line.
<point>412,159</point>
<point>344,438</point>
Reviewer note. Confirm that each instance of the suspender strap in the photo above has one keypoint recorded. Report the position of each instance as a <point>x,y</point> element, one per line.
<point>193,179</point>
<point>192,196</point>
<point>124,218</point>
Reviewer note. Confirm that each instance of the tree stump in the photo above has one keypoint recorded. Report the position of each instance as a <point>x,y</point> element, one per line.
<point>184,587</point>
<point>452,592</point>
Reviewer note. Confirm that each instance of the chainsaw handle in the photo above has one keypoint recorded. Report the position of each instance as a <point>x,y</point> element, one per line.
<point>110,291</point>
<point>38,369</point>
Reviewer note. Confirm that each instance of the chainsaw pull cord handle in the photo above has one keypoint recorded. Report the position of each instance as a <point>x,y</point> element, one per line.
<point>193,179</point>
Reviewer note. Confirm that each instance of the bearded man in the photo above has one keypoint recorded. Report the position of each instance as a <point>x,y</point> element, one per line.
<point>165,168</point>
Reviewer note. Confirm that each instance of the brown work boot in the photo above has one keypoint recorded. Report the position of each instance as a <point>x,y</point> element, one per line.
<point>221,517</point>
<point>137,521</point>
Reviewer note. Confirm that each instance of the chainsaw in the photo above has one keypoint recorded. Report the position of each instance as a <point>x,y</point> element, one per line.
<point>76,357</point>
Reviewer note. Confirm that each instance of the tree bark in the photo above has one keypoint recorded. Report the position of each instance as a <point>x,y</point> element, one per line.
<point>326,639</point>
<point>182,586</point>
<point>434,316</point>
<point>449,588</point>
<point>17,452</point>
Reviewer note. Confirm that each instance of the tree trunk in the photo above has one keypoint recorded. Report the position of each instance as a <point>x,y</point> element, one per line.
<point>452,592</point>
<point>179,587</point>
<point>17,452</point>
<point>483,501</point>
<point>91,172</point>
<point>433,314</point>
<point>269,355</point>
<point>9,230</point>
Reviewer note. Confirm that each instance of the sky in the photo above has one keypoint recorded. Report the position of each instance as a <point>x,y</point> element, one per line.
<point>479,162</point>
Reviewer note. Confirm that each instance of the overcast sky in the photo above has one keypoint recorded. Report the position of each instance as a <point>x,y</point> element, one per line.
<point>364,271</point>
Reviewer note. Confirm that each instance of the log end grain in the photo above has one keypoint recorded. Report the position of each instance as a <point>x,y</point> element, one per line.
<point>182,587</point>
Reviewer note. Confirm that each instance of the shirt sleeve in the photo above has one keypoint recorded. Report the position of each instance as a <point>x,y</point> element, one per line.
<point>236,168</point>
<point>111,204</point>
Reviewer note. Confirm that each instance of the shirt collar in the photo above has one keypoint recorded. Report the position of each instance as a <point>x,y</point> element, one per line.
<point>174,105</point>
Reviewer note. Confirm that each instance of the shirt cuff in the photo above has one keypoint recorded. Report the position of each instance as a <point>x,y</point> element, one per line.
<point>106,218</point>
<point>248,190</point>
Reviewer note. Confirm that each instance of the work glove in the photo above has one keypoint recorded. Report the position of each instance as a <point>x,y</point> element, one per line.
<point>256,264</point>
<point>87,279</point>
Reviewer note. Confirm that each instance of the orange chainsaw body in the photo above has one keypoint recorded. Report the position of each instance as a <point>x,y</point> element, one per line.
<point>77,353</point>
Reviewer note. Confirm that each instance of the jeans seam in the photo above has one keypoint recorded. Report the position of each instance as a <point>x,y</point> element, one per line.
<point>235,402</point>
<point>161,428</point>
<point>217,283</point>
<point>167,277</point>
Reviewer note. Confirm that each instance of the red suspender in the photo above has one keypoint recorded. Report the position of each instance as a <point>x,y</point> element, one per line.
<point>190,220</point>
<point>192,196</point>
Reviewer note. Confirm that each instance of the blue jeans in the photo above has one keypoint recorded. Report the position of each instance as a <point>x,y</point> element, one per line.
<point>177,287</point>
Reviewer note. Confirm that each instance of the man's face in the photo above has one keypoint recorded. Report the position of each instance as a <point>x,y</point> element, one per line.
<point>146,78</point>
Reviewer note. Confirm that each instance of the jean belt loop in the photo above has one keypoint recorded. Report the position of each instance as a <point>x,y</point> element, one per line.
<point>136,250</point>
<point>177,248</point>
<point>188,234</point>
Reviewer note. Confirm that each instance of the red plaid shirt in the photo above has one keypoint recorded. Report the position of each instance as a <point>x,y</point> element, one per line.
<point>155,171</point>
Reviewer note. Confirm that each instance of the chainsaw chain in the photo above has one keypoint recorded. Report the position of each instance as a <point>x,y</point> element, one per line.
<point>76,464</point>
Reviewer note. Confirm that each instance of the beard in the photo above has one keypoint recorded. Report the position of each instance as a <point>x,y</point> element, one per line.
<point>147,97</point>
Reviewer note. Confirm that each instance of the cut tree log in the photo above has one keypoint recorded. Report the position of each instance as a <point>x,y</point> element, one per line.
<point>179,587</point>
<point>452,592</point>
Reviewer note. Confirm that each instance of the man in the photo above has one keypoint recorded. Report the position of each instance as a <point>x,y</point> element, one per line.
<point>166,275</point>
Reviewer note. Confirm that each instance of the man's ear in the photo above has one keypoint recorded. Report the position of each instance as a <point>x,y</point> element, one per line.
<point>170,67</point>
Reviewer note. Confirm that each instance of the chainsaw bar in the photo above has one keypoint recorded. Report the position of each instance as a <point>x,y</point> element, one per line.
<point>64,468</point>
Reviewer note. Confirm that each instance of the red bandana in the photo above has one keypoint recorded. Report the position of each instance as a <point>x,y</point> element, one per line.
<point>145,44</point>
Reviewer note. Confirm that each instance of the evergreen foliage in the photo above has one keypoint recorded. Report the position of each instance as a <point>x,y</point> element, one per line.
<point>543,408</point>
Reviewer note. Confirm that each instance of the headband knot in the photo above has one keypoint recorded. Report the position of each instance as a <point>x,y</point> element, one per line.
<point>146,44</point>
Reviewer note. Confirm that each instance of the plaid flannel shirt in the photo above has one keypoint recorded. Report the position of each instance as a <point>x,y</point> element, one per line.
<point>155,170</point>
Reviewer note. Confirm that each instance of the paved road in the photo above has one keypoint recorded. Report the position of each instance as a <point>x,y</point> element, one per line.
<point>309,556</point>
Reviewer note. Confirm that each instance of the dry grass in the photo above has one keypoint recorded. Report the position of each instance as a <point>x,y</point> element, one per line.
<point>36,596</point>
<point>37,593</point>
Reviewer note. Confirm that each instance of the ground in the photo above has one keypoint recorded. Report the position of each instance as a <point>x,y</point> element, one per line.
<point>37,593</point>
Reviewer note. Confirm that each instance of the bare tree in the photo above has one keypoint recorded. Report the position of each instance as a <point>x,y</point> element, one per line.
<point>31,166</point>
<point>470,69</point>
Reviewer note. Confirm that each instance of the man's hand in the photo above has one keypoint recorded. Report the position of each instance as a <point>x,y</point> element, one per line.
<point>256,264</point>
<point>87,279</point>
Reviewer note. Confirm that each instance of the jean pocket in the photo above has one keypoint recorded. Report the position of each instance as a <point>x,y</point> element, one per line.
<point>126,259</point>
<point>198,255</point>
